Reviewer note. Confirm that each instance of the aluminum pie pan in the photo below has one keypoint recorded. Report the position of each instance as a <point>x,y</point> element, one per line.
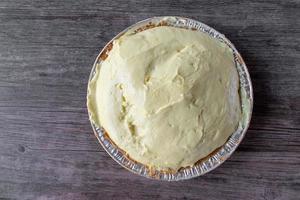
<point>214,159</point>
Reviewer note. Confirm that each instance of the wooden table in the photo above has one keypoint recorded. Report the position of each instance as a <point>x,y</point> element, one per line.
<point>47,148</point>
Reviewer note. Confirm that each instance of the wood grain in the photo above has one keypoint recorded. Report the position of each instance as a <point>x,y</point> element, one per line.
<point>47,148</point>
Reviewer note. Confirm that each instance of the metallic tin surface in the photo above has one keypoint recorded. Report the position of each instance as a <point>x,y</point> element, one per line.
<point>217,157</point>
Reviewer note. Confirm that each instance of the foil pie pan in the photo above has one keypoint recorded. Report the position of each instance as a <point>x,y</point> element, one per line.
<point>217,157</point>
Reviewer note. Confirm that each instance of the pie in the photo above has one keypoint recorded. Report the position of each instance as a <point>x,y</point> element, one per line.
<point>166,96</point>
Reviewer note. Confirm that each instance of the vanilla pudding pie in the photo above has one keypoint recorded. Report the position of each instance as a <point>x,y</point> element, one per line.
<point>166,96</point>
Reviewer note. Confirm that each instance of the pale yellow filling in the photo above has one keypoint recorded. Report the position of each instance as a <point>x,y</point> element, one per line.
<point>167,96</point>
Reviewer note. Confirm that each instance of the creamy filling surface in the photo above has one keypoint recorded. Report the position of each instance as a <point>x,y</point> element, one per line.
<point>167,96</point>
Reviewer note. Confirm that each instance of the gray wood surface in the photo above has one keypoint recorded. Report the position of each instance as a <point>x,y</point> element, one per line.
<point>47,148</point>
